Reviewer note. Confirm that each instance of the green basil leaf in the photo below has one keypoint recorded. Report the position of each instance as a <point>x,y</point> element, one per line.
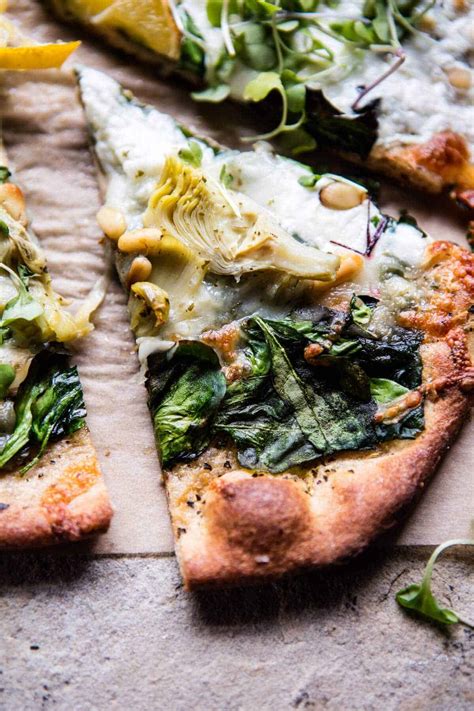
<point>23,307</point>
<point>361,312</point>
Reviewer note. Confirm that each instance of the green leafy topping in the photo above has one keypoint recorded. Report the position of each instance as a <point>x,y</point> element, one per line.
<point>49,404</point>
<point>309,181</point>
<point>4,174</point>
<point>420,599</point>
<point>214,94</point>
<point>225,177</point>
<point>191,154</point>
<point>288,407</point>
<point>384,390</point>
<point>7,376</point>
<point>262,85</point>
<point>4,231</point>
<point>361,311</point>
<point>289,39</point>
<point>184,399</point>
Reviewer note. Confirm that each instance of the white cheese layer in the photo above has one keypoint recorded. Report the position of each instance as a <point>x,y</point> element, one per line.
<point>132,143</point>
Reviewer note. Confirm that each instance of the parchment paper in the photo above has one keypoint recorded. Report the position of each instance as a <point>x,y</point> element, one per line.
<point>46,139</point>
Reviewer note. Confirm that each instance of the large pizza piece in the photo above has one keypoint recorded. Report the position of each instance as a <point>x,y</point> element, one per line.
<point>306,356</point>
<point>51,487</point>
<point>384,82</point>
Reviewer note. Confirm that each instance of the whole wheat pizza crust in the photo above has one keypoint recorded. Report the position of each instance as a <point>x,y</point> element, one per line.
<point>63,498</point>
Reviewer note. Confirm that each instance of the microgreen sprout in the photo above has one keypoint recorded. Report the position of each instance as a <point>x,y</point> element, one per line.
<point>273,38</point>
<point>421,600</point>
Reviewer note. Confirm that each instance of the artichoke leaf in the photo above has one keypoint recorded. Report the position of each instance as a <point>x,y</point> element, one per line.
<point>228,229</point>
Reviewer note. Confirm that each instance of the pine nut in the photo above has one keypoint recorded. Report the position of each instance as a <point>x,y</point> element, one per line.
<point>459,78</point>
<point>145,239</point>
<point>140,270</point>
<point>342,196</point>
<point>111,222</point>
<point>12,200</point>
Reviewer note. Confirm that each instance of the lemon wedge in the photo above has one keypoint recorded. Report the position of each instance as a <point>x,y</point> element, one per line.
<point>40,56</point>
<point>149,23</point>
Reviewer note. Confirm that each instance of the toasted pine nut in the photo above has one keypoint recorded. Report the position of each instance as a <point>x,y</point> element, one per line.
<point>342,196</point>
<point>111,222</point>
<point>140,270</point>
<point>459,78</point>
<point>145,239</point>
<point>12,200</point>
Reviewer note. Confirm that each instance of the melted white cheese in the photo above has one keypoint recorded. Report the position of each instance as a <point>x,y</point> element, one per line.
<point>132,143</point>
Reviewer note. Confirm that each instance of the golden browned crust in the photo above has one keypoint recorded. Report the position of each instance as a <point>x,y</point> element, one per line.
<point>441,163</point>
<point>63,498</point>
<point>234,527</point>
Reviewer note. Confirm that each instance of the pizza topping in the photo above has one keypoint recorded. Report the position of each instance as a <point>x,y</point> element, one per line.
<point>140,270</point>
<point>48,405</point>
<point>342,196</point>
<point>111,222</point>
<point>227,229</point>
<point>149,307</point>
<point>299,389</point>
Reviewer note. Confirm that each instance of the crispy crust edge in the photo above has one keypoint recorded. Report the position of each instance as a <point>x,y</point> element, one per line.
<point>89,512</point>
<point>265,527</point>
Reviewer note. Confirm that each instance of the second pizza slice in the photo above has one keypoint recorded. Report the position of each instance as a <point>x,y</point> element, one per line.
<point>306,356</point>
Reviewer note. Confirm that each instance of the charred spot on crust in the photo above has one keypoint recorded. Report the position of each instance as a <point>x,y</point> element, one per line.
<point>258,515</point>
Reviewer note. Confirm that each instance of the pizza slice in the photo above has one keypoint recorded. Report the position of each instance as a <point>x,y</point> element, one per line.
<point>51,488</point>
<point>388,83</point>
<point>306,356</point>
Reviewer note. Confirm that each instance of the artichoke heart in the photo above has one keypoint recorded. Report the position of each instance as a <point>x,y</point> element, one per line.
<point>149,307</point>
<point>228,229</point>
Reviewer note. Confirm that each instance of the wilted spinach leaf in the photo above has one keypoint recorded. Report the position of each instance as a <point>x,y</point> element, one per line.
<point>49,404</point>
<point>185,389</point>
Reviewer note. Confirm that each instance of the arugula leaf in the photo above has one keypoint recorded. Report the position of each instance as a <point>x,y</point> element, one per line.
<point>419,597</point>
<point>185,389</point>
<point>49,404</point>
<point>192,154</point>
<point>7,376</point>
<point>192,57</point>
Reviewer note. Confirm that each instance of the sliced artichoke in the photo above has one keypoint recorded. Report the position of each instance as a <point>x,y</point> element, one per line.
<point>228,229</point>
<point>149,308</point>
